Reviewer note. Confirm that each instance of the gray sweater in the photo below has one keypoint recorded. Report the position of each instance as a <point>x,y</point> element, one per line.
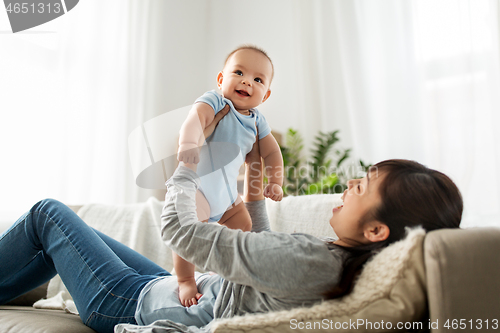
<point>265,271</point>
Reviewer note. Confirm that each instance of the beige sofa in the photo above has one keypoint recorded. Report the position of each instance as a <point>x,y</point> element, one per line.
<point>449,279</point>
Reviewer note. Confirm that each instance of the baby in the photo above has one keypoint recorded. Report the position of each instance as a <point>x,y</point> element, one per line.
<point>245,83</point>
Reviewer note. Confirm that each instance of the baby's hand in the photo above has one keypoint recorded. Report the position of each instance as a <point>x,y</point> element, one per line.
<point>273,191</point>
<point>188,293</point>
<point>189,154</point>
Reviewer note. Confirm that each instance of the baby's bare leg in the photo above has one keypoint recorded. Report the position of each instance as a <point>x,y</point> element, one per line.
<point>202,207</point>
<point>237,217</point>
<point>188,292</point>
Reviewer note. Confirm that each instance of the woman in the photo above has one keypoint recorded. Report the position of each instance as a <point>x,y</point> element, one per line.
<point>256,272</point>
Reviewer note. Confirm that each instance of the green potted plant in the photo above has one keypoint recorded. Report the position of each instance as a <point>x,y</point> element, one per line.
<point>323,172</point>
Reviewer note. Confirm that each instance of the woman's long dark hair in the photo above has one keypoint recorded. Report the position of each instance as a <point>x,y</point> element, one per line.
<point>412,195</point>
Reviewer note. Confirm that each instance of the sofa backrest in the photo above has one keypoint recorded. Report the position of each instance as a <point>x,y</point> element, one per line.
<point>463,278</point>
<point>304,214</point>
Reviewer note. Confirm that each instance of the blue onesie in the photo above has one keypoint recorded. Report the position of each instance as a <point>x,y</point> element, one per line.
<point>224,152</point>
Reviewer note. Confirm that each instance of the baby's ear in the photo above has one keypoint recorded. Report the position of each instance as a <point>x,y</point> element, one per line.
<point>266,96</point>
<point>220,77</point>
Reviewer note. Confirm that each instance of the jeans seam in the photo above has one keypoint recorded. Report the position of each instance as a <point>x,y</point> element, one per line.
<point>79,255</point>
<point>121,297</point>
<point>92,271</point>
<point>101,284</point>
<point>95,313</point>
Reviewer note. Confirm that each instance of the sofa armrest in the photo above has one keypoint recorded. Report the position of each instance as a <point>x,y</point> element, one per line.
<point>463,277</point>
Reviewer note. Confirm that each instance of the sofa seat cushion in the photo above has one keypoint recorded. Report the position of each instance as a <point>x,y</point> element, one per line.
<point>25,319</point>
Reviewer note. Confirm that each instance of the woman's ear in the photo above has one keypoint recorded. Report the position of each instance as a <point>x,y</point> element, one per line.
<point>376,231</point>
<point>220,77</point>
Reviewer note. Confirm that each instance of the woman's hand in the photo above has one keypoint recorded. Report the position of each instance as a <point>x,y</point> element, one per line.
<point>190,153</point>
<point>211,128</point>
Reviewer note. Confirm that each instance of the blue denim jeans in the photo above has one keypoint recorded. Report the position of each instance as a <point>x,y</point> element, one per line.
<point>103,276</point>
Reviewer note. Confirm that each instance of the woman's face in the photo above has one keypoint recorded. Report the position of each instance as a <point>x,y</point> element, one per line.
<point>360,198</point>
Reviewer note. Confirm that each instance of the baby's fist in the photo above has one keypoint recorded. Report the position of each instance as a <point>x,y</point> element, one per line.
<point>273,192</point>
<point>188,154</point>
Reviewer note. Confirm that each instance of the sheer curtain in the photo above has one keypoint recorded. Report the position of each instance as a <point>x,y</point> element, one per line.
<point>458,55</point>
<point>410,79</point>
<point>72,90</point>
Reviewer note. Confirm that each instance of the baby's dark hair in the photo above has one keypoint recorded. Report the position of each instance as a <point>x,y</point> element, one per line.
<point>251,47</point>
<point>411,195</point>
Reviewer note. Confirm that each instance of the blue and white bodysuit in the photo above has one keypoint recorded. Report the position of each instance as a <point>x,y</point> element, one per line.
<point>224,152</point>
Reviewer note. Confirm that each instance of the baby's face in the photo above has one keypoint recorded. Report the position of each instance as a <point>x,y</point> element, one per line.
<point>245,79</point>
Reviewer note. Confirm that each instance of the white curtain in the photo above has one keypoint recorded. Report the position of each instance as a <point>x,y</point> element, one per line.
<point>458,53</point>
<point>72,90</point>
<point>409,79</point>
<point>415,79</point>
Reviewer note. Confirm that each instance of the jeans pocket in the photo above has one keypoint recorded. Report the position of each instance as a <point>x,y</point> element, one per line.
<point>103,324</point>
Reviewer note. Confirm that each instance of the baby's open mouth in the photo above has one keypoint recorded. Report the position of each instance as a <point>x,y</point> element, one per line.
<point>242,92</point>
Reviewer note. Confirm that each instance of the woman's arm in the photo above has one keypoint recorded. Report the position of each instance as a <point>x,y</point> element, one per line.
<point>280,264</point>
<point>188,293</point>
